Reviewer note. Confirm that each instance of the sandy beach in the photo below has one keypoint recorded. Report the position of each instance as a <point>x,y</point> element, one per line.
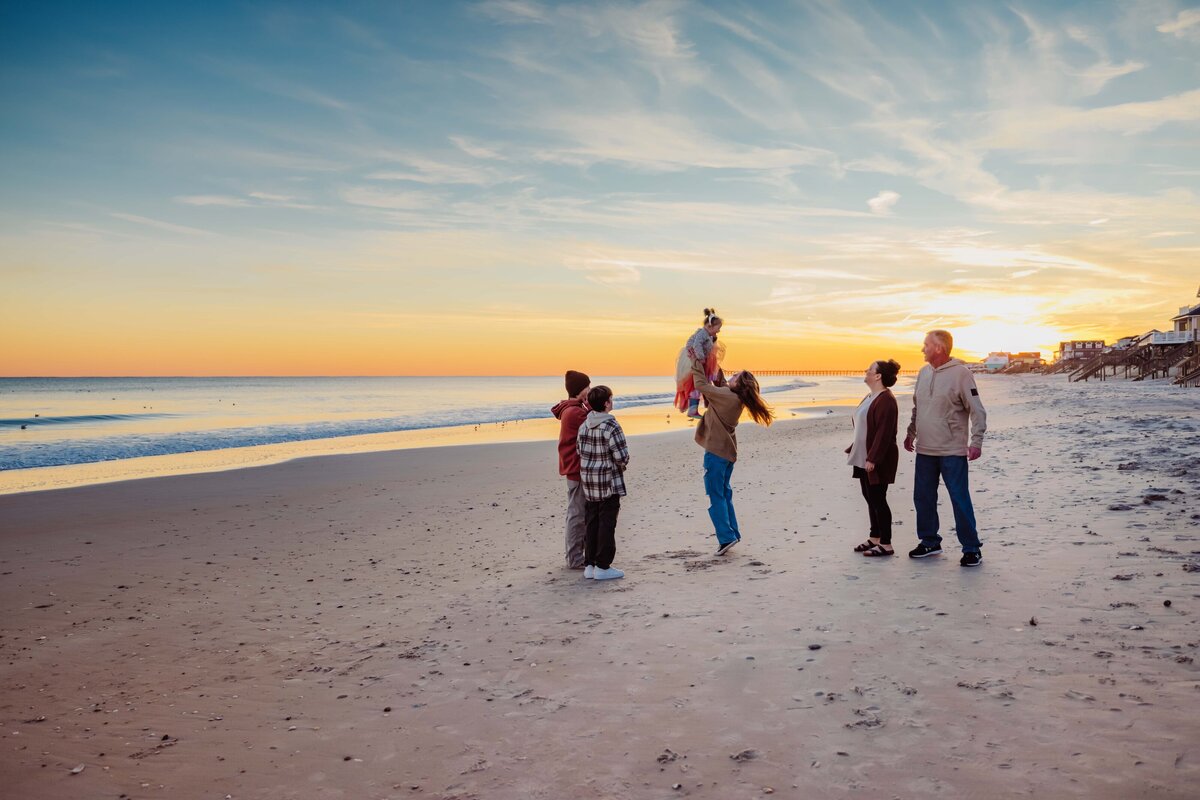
<point>400,625</point>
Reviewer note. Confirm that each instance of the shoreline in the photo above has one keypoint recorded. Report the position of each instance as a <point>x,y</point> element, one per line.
<point>636,420</point>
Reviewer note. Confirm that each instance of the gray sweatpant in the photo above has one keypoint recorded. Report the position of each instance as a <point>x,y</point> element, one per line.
<point>576,525</point>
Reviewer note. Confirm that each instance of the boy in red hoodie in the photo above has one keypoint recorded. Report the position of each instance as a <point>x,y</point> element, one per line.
<point>571,413</point>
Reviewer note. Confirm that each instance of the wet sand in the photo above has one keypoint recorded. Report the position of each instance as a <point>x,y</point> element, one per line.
<point>636,421</point>
<point>399,624</point>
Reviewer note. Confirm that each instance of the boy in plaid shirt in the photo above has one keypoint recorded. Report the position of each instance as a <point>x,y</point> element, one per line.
<point>603,456</point>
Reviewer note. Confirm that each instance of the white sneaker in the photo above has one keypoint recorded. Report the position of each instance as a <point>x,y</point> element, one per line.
<point>589,571</point>
<point>612,573</point>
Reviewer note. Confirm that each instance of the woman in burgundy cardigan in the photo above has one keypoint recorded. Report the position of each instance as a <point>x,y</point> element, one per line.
<point>874,454</point>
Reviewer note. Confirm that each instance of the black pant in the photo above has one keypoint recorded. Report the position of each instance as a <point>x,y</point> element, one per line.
<point>600,542</point>
<point>877,506</point>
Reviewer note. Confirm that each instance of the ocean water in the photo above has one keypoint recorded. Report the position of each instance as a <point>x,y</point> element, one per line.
<point>46,422</point>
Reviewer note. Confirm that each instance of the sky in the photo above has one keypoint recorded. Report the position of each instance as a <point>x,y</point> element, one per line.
<point>511,187</point>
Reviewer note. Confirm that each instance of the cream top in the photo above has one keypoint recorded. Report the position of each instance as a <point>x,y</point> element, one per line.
<point>858,450</point>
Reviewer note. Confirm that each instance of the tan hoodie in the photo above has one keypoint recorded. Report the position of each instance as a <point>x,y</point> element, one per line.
<point>943,400</point>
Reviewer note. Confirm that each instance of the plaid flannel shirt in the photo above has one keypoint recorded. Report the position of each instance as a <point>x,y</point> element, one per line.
<point>603,456</point>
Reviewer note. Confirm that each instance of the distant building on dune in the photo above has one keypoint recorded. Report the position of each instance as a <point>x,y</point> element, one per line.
<point>1004,361</point>
<point>1029,359</point>
<point>1123,343</point>
<point>996,361</point>
<point>1079,348</point>
<point>1015,363</point>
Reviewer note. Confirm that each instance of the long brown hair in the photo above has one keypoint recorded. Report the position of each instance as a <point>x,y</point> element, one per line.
<point>747,391</point>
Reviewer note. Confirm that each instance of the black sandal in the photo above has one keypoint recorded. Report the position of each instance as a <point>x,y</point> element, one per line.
<point>867,545</point>
<point>877,551</point>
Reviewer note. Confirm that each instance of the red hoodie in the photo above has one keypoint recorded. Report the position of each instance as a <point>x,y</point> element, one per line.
<point>571,413</point>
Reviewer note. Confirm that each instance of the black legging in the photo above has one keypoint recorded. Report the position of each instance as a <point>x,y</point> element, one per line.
<point>877,507</point>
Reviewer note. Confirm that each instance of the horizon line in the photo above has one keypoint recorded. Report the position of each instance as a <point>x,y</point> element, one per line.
<point>784,371</point>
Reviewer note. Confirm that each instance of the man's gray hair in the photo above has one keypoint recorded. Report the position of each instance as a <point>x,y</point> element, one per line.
<point>944,339</point>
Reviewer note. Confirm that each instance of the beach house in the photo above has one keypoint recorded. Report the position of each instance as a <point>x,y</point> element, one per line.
<point>1023,362</point>
<point>1187,327</point>
<point>1079,349</point>
<point>1123,343</point>
<point>1073,354</point>
<point>995,362</point>
<point>1155,354</point>
<point>1187,323</point>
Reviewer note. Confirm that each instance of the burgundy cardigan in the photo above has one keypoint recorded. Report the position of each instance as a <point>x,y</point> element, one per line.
<point>881,438</point>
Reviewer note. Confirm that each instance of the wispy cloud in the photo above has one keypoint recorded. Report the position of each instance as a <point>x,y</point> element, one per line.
<point>512,11</point>
<point>1050,206</point>
<point>170,227</point>
<point>269,197</point>
<point>279,159</point>
<point>252,75</point>
<point>1186,24</point>
<point>212,200</point>
<point>249,200</point>
<point>663,142</point>
<point>1004,258</point>
<point>476,149</point>
<point>1038,127</point>
<point>745,263</point>
<point>418,169</point>
<point>378,198</point>
<point>607,272</point>
<point>1096,76</point>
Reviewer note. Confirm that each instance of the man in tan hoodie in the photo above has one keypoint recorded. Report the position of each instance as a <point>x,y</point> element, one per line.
<point>944,399</point>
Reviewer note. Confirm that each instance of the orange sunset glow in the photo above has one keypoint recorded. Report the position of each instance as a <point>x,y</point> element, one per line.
<point>502,188</point>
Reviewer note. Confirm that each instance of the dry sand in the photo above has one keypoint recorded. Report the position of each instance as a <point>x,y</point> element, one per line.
<point>399,625</point>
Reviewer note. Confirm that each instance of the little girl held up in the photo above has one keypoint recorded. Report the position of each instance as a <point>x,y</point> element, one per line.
<point>701,346</point>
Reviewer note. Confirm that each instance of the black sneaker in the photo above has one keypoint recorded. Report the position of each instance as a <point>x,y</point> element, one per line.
<point>971,559</point>
<point>922,551</point>
<point>723,549</point>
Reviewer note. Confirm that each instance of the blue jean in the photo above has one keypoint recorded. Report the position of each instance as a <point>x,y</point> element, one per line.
<point>953,471</point>
<point>717,472</point>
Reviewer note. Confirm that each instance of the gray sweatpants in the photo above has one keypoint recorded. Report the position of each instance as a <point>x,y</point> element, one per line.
<point>576,525</point>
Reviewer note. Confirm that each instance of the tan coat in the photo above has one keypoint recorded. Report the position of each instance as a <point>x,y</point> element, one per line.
<point>717,431</point>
